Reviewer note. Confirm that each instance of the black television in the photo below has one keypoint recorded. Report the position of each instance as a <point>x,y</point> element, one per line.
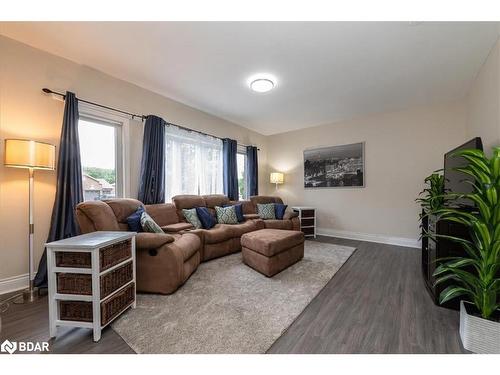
<point>454,181</point>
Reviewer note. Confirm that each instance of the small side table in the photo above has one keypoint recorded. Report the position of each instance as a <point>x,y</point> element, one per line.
<point>91,280</point>
<point>307,217</point>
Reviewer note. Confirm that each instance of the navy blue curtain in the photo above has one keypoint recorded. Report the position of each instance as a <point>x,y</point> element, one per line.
<point>152,180</point>
<point>230,168</point>
<point>252,169</point>
<point>69,191</point>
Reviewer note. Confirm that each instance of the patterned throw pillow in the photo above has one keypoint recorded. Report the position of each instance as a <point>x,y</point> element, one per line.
<point>192,217</point>
<point>226,215</point>
<point>149,225</point>
<point>266,211</point>
<point>239,211</point>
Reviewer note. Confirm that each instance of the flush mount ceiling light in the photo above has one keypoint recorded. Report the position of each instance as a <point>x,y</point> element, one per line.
<point>262,83</point>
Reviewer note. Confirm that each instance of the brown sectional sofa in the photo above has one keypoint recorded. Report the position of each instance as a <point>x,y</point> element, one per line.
<point>223,239</point>
<point>290,220</point>
<point>165,261</point>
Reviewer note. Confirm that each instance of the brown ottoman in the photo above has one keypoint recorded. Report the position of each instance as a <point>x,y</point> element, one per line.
<point>270,251</point>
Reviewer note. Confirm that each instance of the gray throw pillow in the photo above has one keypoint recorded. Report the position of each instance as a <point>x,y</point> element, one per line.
<point>266,211</point>
<point>226,215</point>
<point>192,217</point>
<point>149,225</point>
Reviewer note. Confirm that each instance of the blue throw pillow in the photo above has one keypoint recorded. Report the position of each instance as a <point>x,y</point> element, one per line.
<point>279,210</point>
<point>206,218</point>
<point>239,211</point>
<point>134,220</point>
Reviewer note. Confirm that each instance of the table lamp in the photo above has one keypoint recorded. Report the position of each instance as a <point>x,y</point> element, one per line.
<point>23,153</point>
<point>277,178</point>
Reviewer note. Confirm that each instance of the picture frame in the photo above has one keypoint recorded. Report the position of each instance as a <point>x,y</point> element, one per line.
<point>339,166</point>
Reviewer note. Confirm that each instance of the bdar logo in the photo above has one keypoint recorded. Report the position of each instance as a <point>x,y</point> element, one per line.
<point>9,347</point>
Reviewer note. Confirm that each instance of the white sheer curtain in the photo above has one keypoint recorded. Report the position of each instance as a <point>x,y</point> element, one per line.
<point>193,163</point>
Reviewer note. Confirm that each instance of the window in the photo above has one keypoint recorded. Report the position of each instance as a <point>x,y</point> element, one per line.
<point>100,151</point>
<point>193,163</point>
<point>241,160</point>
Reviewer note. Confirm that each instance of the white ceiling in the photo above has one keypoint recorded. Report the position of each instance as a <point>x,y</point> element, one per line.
<point>326,71</point>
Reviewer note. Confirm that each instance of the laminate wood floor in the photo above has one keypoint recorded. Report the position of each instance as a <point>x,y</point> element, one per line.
<point>376,303</point>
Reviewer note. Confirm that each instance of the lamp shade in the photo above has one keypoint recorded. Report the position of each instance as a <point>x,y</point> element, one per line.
<point>24,153</point>
<point>276,178</point>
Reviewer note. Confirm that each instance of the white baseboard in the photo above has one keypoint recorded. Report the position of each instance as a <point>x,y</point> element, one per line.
<point>11,284</point>
<point>399,241</point>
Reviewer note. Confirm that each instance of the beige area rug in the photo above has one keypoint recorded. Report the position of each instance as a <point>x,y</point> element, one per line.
<point>227,307</point>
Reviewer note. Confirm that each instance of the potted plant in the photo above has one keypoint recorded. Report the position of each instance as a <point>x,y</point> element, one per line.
<point>432,197</point>
<point>475,277</point>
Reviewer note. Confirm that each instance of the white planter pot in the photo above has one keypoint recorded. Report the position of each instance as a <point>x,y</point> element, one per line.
<point>479,335</point>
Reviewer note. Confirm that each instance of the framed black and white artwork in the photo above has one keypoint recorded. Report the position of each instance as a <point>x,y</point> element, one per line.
<point>335,166</point>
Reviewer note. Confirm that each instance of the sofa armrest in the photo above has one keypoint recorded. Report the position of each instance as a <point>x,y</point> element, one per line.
<point>290,214</point>
<point>146,240</point>
<point>251,216</point>
<point>177,227</point>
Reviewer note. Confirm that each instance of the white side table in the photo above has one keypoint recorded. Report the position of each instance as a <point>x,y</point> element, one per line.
<point>91,280</point>
<point>307,217</point>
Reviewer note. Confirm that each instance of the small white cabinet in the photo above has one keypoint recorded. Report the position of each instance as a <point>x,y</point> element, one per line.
<point>91,280</point>
<point>307,216</point>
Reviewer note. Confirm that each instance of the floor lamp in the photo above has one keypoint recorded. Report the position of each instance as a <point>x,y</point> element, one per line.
<point>23,153</point>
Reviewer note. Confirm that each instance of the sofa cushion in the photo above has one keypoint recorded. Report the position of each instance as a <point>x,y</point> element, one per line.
<point>266,210</point>
<point>145,240</point>
<point>248,207</point>
<point>263,199</point>
<point>134,220</point>
<point>149,225</point>
<point>226,215</point>
<point>177,227</point>
<point>123,207</point>
<point>163,213</point>
<point>99,214</point>
<point>270,242</point>
<point>278,224</point>
<point>219,233</point>
<point>206,218</point>
<point>251,216</point>
<point>216,200</point>
<point>192,217</point>
<point>188,201</point>
<point>237,230</point>
<point>279,210</point>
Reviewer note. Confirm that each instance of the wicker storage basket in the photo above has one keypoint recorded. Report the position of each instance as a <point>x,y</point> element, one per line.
<point>81,284</point>
<point>108,256</point>
<point>110,308</point>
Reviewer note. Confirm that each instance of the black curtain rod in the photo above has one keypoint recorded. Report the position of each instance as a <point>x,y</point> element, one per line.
<point>133,115</point>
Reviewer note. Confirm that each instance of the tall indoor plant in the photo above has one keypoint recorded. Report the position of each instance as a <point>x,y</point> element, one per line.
<point>475,276</point>
<point>432,197</point>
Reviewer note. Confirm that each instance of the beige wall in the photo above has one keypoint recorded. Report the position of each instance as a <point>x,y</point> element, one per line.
<point>483,118</point>
<point>25,112</point>
<point>401,149</point>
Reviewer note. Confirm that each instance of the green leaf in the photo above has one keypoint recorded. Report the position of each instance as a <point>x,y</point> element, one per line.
<point>452,292</point>
<point>461,262</point>
<point>442,279</point>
